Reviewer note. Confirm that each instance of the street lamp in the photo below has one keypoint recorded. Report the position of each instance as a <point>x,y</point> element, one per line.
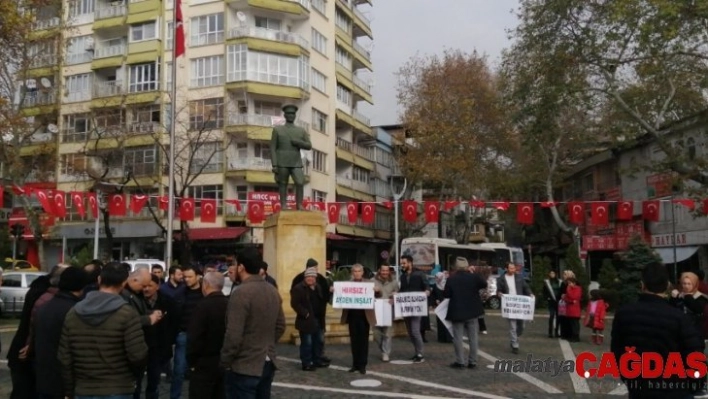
<point>397,195</point>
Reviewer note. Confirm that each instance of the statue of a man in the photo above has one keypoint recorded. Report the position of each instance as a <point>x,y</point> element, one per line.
<point>285,145</point>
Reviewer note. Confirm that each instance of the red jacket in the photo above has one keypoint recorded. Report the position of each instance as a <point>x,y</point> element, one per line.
<point>598,322</point>
<point>572,298</point>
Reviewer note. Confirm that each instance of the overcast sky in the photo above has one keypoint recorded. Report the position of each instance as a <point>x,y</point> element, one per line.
<point>404,28</point>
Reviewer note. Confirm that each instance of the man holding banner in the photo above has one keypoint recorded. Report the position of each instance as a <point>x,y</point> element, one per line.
<point>513,285</point>
<point>357,300</point>
<point>409,306</point>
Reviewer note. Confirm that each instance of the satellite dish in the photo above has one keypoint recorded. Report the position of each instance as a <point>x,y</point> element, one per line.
<point>241,16</point>
<point>45,82</point>
<point>52,128</point>
<point>31,84</point>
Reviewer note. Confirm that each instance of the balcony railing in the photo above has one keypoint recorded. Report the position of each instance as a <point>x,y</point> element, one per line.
<point>110,12</point>
<point>362,84</point>
<point>261,120</point>
<point>33,99</point>
<point>344,220</point>
<point>250,164</point>
<point>272,78</point>
<point>269,34</point>
<point>363,152</point>
<point>361,16</point>
<point>78,96</point>
<point>143,127</point>
<point>361,118</point>
<point>107,89</point>
<point>79,58</point>
<point>357,185</point>
<point>361,50</point>
<point>304,3</point>
<point>41,60</point>
<point>47,23</point>
<point>110,51</point>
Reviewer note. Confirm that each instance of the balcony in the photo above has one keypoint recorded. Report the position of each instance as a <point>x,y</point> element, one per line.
<point>262,120</point>
<point>144,127</point>
<point>298,9</point>
<point>250,164</point>
<point>43,60</point>
<point>362,24</point>
<point>361,118</point>
<point>295,87</point>
<point>362,84</point>
<point>361,50</point>
<point>269,34</point>
<point>78,58</point>
<point>108,88</point>
<point>304,3</point>
<point>364,152</point>
<point>117,50</point>
<point>110,12</point>
<point>47,23</point>
<point>357,185</point>
<point>37,98</point>
<point>362,17</point>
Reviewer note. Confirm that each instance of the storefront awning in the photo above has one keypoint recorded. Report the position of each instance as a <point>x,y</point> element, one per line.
<point>216,233</point>
<point>682,253</point>
<point>337,237</point>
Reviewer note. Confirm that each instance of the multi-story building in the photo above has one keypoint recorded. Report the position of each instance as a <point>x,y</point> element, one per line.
<point>100,83</point>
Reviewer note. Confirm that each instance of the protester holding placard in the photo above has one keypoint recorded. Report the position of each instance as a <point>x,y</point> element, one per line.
<point>359,321</point>
<point>512,283</point>
<point>384,288</point>
<point>306,299</point>
<point>413,281</point>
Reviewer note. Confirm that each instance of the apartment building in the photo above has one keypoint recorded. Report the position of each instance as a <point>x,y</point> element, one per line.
<point>99,87</point>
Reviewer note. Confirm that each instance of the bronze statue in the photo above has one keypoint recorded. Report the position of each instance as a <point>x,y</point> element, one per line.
<point>285,145</point>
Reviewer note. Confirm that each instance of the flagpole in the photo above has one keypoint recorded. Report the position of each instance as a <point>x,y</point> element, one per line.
<point>173,122</point>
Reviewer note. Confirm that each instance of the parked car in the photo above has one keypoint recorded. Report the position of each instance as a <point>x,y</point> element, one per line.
<point>18,265</point>
<point>14,288</point>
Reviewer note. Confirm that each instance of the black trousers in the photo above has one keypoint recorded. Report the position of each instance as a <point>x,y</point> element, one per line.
<point>482,323</point>
<point>574,328</point>
<point>443,334</point>
<point>23,381</point>
<point>206,383</point>
<point>359,338</point>
<point>553,329</point>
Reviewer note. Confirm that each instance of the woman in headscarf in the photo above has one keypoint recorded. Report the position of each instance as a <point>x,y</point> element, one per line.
<point>435,298</point>
<point>691,300</point>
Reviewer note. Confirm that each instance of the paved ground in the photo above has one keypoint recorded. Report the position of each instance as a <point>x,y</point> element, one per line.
<point>430,379</point>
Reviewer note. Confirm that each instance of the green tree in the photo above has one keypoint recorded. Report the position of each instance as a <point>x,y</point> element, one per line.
<point>638,255</point>
<point>574,264</point>
<point>541,267</point>
<point>608,277</point>
<point>84,256</point>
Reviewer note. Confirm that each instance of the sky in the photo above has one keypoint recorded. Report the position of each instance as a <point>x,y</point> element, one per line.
<point>405,28</point>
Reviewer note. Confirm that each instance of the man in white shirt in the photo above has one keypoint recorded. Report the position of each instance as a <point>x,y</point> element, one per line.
<point>512,283</point>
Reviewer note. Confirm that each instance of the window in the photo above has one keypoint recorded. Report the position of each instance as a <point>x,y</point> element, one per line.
<point>12,280</point>
<point>168,76</point>
<point>268,23</point>
<point>342,21</point>
<point>145,119</point>
<point>319,161</point>
<point>72,164</point>
<point>144,31</point>
<point>319,80</point>
<point>319,196</point>
<point>169,36</point>
<point>344,95</point>
<point>319,121</point>
<point>78,50</point>
<point>143,77</point>
<point>109,122</point>
<point>262,151</point>
<point>343,58</point>
<point>78,87</point>
<point>360,174</point>
<point>213,191</point>
<point>207,29</point>
<point>267,108</point>
<point>267,67</point>
<point>141,160</point>
<point>208,158</point>
<point>320,6</point>
<point>206,114</point>
<point>242,193</point>
<point>78,8</point>
<point>207,71</point>
<point>319,42</point>
<point>76,128</point>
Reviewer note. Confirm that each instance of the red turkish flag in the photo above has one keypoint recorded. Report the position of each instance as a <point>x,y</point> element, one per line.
<point>45,201</point>
<point>93,204</point>
<point>688,203</point>
<point>548,204</point>
<point>650,211</point>
<point>59,203</point>
<point>17,190</point>
<point>388,204</point>
<point>368,210</point>
<point>352,212</point>
<point>137,202</point>
<point>186,209</point>
<point>235,203</point>
<point>705,206</point>
<point>117,205</point>
<point>599,213</point>
<point>410,211</point>
<point>576,212</point>
<point>432,209</point>
<point>306,203</point>
<point>451,204</point>
<point>164,203</point>
<point>333,212</point>
<point>208,208</point>
<point>524,212</point>
<point>256,212</point>
<point>320,206</point>
<point>478,204</point>
<point>77,198</point>
<point>500,206</point>
<point>625,210</point>
<point>179,30</point>
<point>275,205</point>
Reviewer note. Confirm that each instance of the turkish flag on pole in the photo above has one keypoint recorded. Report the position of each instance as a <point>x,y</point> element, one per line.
<point>688,203</point>
<point>235,203</point>
<point>368,212</point>
<point>410,211</point>
<point>164,203</point>
<point>432,209</point>
<point>625,210</point>
<point>333,212</point>
<point>117,205</point>
<point>524,213</point>
<point>45,201</point>
<point>77,198</point>
<point>179,29</point>
<point>599,214</point>
<point>59,203</point>
<point>186,209</point>
<point>650,211</point>
<point>352,212</point>
<point>93,204</point>
<point>137,202</point>
<point>256,212</point>
<point>208,208</point>
<point>576,212</point>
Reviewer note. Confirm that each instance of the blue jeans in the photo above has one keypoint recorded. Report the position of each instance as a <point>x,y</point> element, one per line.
<point>311,347</point>
<point>104,397</point>
<point>180,367</point>
<point>239,386</point>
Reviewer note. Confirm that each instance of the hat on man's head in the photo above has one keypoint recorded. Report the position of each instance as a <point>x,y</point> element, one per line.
<point>72,279</point>
<point>311,272</point>
<point>311,263</point>
<point>290,108</point>
<point>461,263</point>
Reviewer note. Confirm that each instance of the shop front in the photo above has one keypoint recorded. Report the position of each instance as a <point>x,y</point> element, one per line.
<point>686,250</point>
<point>131,239</point>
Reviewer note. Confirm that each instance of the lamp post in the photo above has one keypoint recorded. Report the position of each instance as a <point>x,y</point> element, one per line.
<point>673,236</point>
<point>397,196</point>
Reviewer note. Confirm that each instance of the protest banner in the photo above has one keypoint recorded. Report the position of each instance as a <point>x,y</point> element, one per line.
<point>410,304</point>
<point>384,313</point>
<point>517,307</point>
<point>353,295</point>
<point>441,314</point>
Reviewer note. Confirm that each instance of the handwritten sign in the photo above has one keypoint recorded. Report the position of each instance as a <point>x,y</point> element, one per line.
<point>353,295</point>
<point>410,304</point>
<point>517,307</point>
<point>441,314</point>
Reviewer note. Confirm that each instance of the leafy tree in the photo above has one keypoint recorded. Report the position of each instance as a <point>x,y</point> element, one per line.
<point>574,264</point>
<point>83,257</point>
<point>638,255</point>
<point>608,277</point>
<point>541,268</point>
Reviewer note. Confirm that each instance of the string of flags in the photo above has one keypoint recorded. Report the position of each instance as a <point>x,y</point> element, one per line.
<point>54,203</point>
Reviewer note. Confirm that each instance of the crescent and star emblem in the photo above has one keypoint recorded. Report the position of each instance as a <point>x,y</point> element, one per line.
<point>526,210</point>
<point>187,205</point>
<point>332,209</point>
<point>351,207</point>
<point>256,208</point>
<point>208,207</point>
<point>577,209</point>
<point>651,208</point>
<point>601,210</point>
<point>41,195</point>
<point>59,199</point>
<point>118,199</point>
<point>410,209</point>
<point>77,198</point>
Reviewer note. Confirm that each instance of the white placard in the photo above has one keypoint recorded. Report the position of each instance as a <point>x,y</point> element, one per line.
<point>518,307</point>
<point>384,313</point>
<point>441,314</point>
<point>353,295</point>
<point>410,304</point>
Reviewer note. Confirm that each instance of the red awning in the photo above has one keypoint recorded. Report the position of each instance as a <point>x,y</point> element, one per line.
<point>216,233</point>
<point>337,237</point>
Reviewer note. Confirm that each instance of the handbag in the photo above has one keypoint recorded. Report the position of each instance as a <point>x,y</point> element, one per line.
<point>562,308</point>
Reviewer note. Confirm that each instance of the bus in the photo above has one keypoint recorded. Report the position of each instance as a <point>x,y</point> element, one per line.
<point>433,255</point>
<point>507,254</point>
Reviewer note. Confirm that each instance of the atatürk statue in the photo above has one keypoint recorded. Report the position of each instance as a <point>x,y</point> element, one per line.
<point>285,145</point>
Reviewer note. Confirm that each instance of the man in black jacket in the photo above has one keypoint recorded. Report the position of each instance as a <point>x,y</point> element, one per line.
<point>652,325</point>
<point>160,336</point>
<point>512,283</point>
<point>465,306</point>
<point>413,281</point>
<point>324,294</point>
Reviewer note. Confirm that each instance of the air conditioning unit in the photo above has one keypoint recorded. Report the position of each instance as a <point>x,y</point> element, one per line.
<point>89,44</point>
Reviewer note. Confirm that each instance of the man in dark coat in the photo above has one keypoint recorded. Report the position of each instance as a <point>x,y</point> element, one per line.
<point>306,300</point>
<point>48,324</point>
<point>413,281</point>
<point>160,336</point>
<point>512,283</point>
<point>324,292</point>
<point>465,306</point>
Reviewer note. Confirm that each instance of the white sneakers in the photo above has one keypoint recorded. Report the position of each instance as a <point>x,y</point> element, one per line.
<point>384,357</point>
